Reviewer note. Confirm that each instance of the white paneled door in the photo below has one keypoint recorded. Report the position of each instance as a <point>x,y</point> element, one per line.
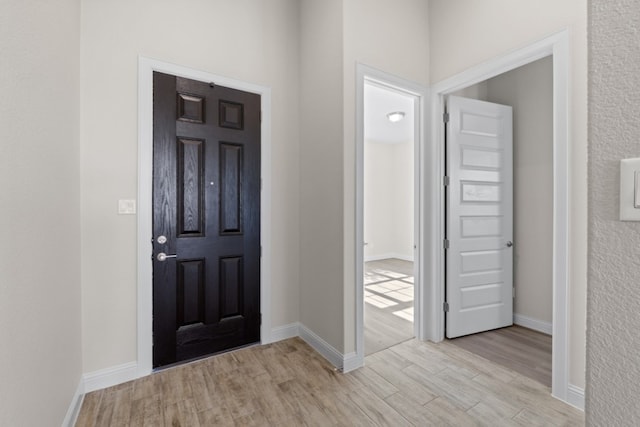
<point>479,226</point>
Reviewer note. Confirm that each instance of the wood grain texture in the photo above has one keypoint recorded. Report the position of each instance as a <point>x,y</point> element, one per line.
<point>520,349</point>
<point>206,197</point>
<point>388,304</point>
<point>288,384</point>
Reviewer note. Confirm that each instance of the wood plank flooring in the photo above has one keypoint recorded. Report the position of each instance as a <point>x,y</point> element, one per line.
<point>388,304</point>
<point>289,384</point>
<point>524,350</point>
<point>389,321</point>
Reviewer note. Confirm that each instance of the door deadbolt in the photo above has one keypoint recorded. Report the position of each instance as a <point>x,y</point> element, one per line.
<point>509,243</point>
<point>162,239</point>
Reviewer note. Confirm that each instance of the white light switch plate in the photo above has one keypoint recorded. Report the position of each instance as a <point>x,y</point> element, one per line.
<point>630,189</point>
<point>126,207</point>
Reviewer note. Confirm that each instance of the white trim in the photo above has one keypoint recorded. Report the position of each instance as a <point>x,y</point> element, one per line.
<point>420,94</point>
<point>575,396</point>
<point>388,256</point>
<point>325,349</point>
<point>130,371</point>
<point>351,362</point>
<point>558,46</point>
<point>280,333</point>
<point>109,377</point>
<point>74,407</point>
<point>146,67</point>
<point>531,323</point>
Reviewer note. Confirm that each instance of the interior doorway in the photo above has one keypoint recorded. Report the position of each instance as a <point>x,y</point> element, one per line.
<point>556,47</point>
<point>389,271</point>
<point>523,175</point>
<point>401,273</point>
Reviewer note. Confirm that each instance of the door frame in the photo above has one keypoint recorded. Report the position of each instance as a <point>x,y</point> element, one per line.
<point>557,46</point>
<point>146,67</point>
<point>367,74</point>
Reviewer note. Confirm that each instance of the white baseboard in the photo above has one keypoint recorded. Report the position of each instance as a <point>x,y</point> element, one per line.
<point>346,363</point>
<point>321,346</point>
<point>129,371</point>
<point>352,362</point>
<point>531,323</point>
<point>74,407</point>
<point>387,256</point>
<point>280,333</point>
<point>110,376</point>
<point>575,396</point>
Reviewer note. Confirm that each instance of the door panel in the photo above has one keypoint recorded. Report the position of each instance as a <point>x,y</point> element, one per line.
<point>206,199</point>
<point>479,217</point>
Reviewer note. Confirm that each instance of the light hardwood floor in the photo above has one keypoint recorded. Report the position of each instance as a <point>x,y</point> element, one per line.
<point>388,304</point>
<point>523,350</point>
<point>389,321</point>
<point>289,384</point>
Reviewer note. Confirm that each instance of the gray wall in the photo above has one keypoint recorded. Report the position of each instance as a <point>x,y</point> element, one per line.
<point>529,90</point>
<point>613,322</point>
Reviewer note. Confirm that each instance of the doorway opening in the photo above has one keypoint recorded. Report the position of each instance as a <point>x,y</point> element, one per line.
<point>402,274</point>
<point>389,272</point>
<point>524,342</point>
<point>556,47</point>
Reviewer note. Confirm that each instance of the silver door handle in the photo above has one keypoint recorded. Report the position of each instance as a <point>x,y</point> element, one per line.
<point>509,243</point>
<point>163,257</point>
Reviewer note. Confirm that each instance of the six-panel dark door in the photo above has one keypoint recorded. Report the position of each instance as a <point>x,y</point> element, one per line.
<point>206,218</point>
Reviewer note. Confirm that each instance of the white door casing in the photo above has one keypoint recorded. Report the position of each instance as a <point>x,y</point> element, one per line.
<point>556,45</point>
<point>479,230</point>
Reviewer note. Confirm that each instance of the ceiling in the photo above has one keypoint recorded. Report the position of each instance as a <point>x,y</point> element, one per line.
<point>378,102</point>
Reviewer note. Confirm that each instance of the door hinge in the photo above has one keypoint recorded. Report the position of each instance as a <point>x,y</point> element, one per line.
<point>445,307</point>
<point>446,180</point>
<point>514,292</point>
<point>445,243</point>
<point>445,117</point>
<point>260,251</point>
<point>261,318</point>
<point>260,116</point>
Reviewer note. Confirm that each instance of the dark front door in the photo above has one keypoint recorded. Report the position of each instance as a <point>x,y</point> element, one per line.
<point>206,218</point>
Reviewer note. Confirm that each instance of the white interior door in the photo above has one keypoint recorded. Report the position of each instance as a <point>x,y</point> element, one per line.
<point>479,226</point>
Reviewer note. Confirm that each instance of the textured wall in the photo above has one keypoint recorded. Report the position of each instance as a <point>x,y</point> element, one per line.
<point>613,347</point>
<point>40,354</point>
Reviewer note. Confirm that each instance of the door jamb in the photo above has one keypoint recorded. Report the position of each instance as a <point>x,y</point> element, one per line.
<point>364,74</point>
<point>556,46</point>
<point>146,67</point>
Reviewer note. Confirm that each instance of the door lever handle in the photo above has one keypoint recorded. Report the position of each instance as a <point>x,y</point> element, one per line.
<point>163,257</point>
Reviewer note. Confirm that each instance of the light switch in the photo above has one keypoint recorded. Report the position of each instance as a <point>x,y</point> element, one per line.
<point>126,207</point>
<point>630,189</point>
<point>636,192</point>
